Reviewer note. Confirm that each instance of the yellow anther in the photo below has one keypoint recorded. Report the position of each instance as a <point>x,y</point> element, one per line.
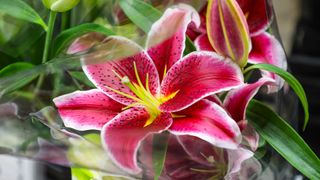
<point>247,14</point>
<point>167,98</point>
<point>210,159</point>
<point>149,121</point>
<point>178,116</point>
<point>164,71</point>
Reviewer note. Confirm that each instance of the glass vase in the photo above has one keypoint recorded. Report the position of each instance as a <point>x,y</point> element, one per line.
<point>31,126</point>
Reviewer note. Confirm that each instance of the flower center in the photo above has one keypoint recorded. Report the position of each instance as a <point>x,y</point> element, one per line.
<point>218,167</point>
<point>143,96</point>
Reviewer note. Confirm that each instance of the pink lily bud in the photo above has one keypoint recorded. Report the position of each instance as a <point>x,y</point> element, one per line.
<point>228,30</point>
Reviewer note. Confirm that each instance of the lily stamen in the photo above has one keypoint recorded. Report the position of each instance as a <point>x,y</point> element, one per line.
<point>205,170</point>
<point>144,97</point>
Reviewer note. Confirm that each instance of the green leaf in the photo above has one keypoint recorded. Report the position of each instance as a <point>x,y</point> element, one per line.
<point>284,139</point>
<point>159,151</point>
<point>80,76</point>
<point>291,80</point>
<point>140,13</point>
<point>14,68</point>
<point>21,10</point>
<point>189,46</point>
<point>93,138</point>
<point>82,174</point>
<point>67,36</point>
<point>9,83</point>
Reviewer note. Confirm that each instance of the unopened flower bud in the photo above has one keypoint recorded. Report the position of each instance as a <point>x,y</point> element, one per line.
<point>60,5</point>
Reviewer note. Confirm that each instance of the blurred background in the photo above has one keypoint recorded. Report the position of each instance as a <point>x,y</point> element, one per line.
<point>299,27</point>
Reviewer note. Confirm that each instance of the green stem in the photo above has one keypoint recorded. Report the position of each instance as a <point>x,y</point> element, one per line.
<point>246,70</point>
<point>51,22</point>
<point>52,18</point>
<point>64,21</point>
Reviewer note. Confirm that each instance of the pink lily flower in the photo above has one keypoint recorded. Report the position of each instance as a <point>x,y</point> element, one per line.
<point>150,91</point>
<point>189,157</point>
<point>228,26</point>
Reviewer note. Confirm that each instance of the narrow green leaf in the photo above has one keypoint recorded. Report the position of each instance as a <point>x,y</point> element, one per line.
<point>140,13</point>
<point>17,75</point>
<point>284,139</point>
<point>67,36</point>
<point>14,68</point>
<point>159,151</point>
<point>291,80</point>
<point>80,76</point>
<point>21,10</point>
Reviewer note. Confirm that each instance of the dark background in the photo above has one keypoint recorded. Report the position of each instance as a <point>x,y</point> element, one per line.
<point>304,62</point>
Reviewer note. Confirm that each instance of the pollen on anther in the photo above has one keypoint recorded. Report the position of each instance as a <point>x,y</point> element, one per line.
<point>125,80</point>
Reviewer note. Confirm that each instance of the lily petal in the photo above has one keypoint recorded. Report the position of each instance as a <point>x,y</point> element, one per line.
<point>236,158</point>
<point>8,109</point>
<point>122,136</point>
<point>258,13</point>
<point>51,153</point>
<point>193,32</point>
<point>207,121</point>
<point>166,40</point>
<point>86,110</point>
<point>85,42</point>
<point>236,103</point>
<point>250,169</point>
<point>202,43</point>
<point>250,137</point>
<point>215,99</point>
<point>228,30</point>
<point>237,100</point>
<point>178,162</point>
<point>267,49</point>
<point>200,150</point>
<point>116,57</point>
<point>196,76</point>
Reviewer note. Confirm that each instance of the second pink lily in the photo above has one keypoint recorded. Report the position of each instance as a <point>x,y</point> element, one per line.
<point>236,29</point>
